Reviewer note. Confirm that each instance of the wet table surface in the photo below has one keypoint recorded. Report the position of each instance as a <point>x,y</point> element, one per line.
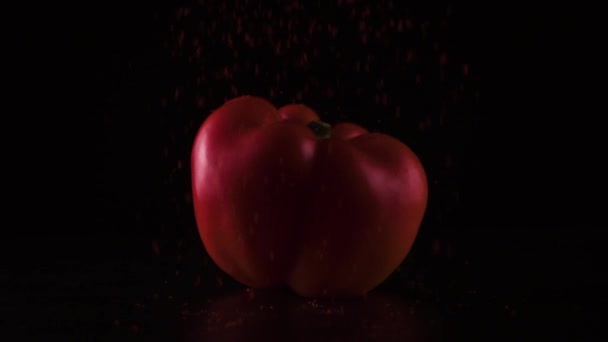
<point>100,300</point>
<point>250,315</point>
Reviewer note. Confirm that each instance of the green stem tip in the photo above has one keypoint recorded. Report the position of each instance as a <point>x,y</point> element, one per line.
<point>322,130</point>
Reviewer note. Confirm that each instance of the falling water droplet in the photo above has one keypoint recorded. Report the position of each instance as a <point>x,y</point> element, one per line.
<point>156,247</point>
<point>436,247</point>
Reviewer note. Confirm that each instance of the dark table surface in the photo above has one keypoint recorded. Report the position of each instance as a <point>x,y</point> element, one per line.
<point>468,292</point>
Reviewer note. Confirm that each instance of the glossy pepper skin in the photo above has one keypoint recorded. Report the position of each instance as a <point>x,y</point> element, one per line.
<point>277,205</point>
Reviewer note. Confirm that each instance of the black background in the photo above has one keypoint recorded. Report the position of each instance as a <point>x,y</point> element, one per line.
<point>510,240</point>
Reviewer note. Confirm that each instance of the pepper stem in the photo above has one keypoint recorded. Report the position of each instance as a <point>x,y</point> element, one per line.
<point>322,130</point>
